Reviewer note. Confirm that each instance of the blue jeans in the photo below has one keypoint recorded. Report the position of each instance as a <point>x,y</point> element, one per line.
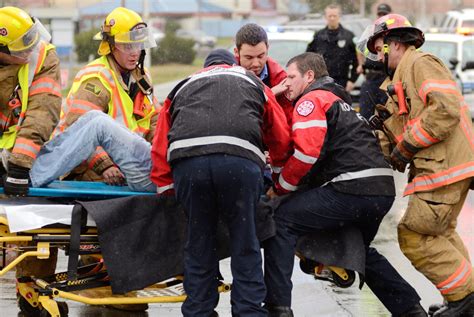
<point>227,186</point>
<point>64,152</point>
<point>324,208</point>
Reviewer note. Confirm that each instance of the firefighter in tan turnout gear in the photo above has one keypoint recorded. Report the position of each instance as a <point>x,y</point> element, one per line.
<point>30,103</point>
<point>117,84</point>
<point>428,126</point>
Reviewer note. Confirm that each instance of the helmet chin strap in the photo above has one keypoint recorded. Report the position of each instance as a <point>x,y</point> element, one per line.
<point>141,62</point>
<point>385,62</point>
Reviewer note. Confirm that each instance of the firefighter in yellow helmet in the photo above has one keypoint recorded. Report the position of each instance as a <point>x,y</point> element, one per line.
<point>30,95</point>
<point>117,84</point>
<point>427,126</point>
<point>30,103</point>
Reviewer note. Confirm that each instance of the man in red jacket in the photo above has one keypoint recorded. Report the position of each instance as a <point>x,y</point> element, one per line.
<point>251,52</point>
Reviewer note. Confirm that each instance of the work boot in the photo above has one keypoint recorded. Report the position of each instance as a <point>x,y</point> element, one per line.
<point>460,308</point>
<point>278,311</point>
<point>415,311</point>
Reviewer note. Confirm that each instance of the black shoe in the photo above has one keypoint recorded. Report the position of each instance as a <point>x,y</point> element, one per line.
<point>214,314</point>
<point>461,308</point>
<point>415,311</point>
<point>278,311</point>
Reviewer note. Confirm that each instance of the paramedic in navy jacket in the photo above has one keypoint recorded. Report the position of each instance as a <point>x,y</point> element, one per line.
<point>337,176</point>
<point>209,147</point>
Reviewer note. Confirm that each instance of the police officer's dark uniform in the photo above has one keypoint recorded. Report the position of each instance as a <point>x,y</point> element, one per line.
<point>339,52</point>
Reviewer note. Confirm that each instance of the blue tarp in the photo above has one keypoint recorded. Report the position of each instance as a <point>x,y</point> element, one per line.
<point>79,189</point>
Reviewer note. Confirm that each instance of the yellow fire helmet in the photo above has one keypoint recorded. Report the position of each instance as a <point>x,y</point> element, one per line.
<point>20,33</point>
<point>124,29</point>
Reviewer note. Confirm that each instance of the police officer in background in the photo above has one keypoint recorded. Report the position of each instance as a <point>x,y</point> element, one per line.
<point>370,93</point>
<point>336,45</point>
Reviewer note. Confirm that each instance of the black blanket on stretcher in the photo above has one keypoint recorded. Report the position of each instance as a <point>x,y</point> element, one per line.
<point>142,238</point>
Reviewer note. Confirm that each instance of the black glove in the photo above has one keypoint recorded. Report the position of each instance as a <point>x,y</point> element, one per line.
<point>16,180</point>
<point>401,155</point>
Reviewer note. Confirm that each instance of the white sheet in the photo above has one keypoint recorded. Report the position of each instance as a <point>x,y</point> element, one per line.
<point>27,213</point>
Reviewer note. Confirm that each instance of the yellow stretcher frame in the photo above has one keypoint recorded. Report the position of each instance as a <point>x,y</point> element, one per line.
<point>40,294</point>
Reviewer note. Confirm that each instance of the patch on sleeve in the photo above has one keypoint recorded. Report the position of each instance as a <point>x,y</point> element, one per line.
<point>93,89</point>
<point>305,108</point>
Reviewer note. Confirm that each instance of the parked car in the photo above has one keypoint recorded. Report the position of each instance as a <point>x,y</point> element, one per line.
<point>457,21</point>
<point>457,53</point>
<point>285,45</point>
<point>352,22</point>
<point>200,37</point>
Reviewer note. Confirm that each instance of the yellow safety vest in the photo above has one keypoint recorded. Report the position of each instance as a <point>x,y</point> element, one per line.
<point>120,104</point>
<point>25,78</point>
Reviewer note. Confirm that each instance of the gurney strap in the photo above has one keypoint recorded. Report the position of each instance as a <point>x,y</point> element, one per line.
<point>78,220</point>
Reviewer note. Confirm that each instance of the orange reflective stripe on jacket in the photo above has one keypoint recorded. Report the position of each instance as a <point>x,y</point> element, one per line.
<point>45,85</point>
<point>26,147</point>
<point>98,153</point>
<point>42,54</point>
<point>444,86</point>
<point>81,106</point>
<point>421,136</point>
<point>456,279</point>
<point>466,124</point>
<point>432,181</point>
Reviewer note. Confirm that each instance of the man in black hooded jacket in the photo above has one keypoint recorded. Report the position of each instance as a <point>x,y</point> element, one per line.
<point>336,177</point>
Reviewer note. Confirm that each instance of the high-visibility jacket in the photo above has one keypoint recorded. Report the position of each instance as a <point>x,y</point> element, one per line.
<point>38,91</point>
<point>99,86</point>
<point>436,120</point>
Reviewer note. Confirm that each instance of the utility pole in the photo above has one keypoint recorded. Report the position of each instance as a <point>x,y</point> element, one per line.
<point>199,14</point>
<point>146,18</point>
<point>362,8</point>
<point>122,3</point>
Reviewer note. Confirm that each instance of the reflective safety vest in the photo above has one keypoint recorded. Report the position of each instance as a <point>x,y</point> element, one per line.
<point>28,87</point>
<point>120,106</point>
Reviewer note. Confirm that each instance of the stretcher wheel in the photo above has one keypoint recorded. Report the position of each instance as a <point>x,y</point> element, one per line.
<point>26,308</point>
<point>344,283</point>
<point>63,310</point>
<point>307,265</point>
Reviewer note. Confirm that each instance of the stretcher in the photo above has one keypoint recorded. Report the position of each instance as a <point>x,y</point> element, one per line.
<point>30,227</point>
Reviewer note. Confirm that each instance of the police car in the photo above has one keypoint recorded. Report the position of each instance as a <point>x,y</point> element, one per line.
<point>457,53</point>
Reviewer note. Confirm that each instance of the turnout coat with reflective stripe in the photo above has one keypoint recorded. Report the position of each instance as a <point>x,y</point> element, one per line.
<point>99,86</point>
<point>333,146</point>
<point>436,120</point>
<point>40,94</point>
<point>221,109</point>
